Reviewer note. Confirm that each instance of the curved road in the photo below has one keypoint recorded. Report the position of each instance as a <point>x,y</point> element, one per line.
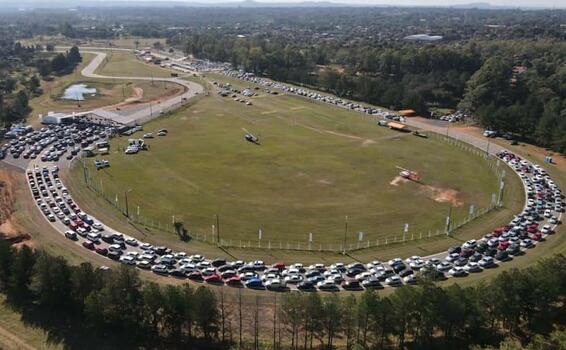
<point>194,89</point>
<point>149,110</point>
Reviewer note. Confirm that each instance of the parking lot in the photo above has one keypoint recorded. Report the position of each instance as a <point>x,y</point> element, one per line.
<point>44,152</point>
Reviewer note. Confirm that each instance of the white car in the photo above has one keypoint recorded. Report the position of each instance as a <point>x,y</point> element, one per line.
<point>131,241</point>
<point>114,248</point>
<point>293,279</point>
<point>452,257</point>
<point>471,244</point>
<point>93,236</point>
<point>394,281</point>
<point>527,243</point>
<point>457,271</point>
<point>326,284</point>
<point>473,267</point>
<point>275,284</point>
<point>160,269</point>
<point>146,246</point>
<point>128,260</point>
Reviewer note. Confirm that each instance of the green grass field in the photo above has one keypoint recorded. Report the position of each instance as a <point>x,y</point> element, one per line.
<point>109,92</point>
<point>315,166</point>
<point>124,63</point>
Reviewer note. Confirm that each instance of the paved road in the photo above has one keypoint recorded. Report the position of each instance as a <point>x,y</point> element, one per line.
<point>150,110</point>
<point>88,71</point>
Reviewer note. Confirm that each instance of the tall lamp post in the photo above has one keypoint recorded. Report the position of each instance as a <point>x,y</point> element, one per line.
<point>345,235</point>
<point>126,200</point>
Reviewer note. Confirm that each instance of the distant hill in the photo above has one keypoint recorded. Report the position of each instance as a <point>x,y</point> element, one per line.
<point>39,4</point>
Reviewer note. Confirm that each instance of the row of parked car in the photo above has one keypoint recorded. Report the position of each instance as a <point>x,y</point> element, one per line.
<point>542,211</point>
<point>273,85</point>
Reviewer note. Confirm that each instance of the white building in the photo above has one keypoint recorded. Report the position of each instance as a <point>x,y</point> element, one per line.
<point>56,118</point>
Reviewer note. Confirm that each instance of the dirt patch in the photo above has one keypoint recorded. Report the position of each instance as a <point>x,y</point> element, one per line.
<point>197,111</point>
<point>9,230</point>
<point>367,142</point>
<point>268,112</point>
<point>398,180</point>
<point>219,114</point>
<point>324,182</point>
<point>137,95</point>
<point>442,195</point>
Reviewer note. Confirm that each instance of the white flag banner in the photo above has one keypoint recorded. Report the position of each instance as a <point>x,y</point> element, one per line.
<point>310,237</point>
<point>360,236</point>
<point>472,209</point>
<point>116,199</point>
<point>406,229</point>
<point>260,233</point>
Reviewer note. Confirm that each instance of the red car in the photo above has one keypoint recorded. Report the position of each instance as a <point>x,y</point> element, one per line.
<point>503,245</point>
<point>214,278</point>
<point>498,231</point>
<point>234,281</point>
<point>537,236</point>
<point>532,229</point>
<point>88,245</point>
<point>101,250</point>
<point>279,266</point>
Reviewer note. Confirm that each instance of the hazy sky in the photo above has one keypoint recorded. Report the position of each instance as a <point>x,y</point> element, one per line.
<point>522,3</point>
<point>512,3</point>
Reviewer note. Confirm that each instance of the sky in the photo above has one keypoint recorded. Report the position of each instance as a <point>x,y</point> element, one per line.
<point>512,3</point>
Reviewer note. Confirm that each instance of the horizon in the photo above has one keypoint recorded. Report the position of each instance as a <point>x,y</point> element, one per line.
<point>549,4</point>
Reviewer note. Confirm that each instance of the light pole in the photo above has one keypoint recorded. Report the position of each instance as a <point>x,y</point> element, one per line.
<point>126,200</point>
<point>345,235</point>
<point>217,217</point>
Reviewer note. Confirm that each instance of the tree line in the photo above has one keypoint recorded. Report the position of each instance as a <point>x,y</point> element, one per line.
<point>85,307</point>
<point>21,71</point>
<point>516,87</point>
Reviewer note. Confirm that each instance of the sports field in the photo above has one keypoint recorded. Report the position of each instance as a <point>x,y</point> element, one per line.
<point>315,166</point>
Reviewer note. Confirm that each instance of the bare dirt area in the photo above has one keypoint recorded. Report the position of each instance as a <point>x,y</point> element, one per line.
<point>440,195</point>
<point>398,180</point>
<point>9,230</point>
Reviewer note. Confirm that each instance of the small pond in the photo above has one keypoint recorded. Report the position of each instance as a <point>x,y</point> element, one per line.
<point>77,92</point>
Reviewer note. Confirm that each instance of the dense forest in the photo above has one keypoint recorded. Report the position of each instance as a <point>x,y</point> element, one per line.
<point>505,68</point>
<point>86,307</point>
<point>514,86</point>
<point>21,71</point>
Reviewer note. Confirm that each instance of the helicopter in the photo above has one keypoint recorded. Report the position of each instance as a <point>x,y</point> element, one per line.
<point>250,137</point>
<point>409,174</point>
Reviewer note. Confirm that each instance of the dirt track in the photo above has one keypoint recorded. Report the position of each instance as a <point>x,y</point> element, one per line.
<point>9,340</point>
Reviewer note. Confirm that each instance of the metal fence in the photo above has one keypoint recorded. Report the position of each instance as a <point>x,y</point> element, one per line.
<point>443,229</point>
